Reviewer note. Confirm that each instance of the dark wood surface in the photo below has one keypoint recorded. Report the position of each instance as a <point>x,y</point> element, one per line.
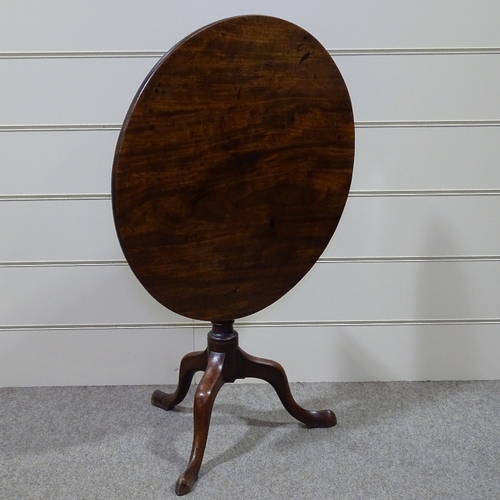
<point>233,167</point>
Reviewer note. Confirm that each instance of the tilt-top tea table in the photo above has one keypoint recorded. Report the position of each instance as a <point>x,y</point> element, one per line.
<point>231,173</point>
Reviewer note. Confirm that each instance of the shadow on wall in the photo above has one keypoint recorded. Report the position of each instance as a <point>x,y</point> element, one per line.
<point>443,351</point>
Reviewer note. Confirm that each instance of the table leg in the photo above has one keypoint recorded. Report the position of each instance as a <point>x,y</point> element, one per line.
<point>204,399</point>
<point>190,364</point>
<point>273,372</point>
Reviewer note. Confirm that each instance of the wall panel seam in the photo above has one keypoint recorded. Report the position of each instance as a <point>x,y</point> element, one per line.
<point>64,263</point>
<point>414,51</point>
<point>427,123</point>
<point>322,260</point>
<point>389,193</point>
<point>85,127</point>
<point>69,127</point>
<point>84,54</point>
<point>354,193</point>
<point>407,259</point>
<point>56,197</point>
<point>254,324</point>
<point>130,54</point>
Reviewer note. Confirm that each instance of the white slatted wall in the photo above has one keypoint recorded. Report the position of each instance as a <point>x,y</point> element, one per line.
<point>409,287</point>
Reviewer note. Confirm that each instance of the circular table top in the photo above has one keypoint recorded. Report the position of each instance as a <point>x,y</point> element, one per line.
<point>233,167</point>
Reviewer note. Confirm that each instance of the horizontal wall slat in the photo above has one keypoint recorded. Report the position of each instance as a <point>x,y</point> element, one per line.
<point>84,295</point>
<point>109,357</point>
<point>308,354</point>
<point>336,292</point>
<point>330,354</point>
<point>427,158</point>
<point>59,91</point>
<point>89,91</point>
<point>349,354</point>
<point>386,159</point>
<point>401,291</point>
<point>425,226</point>
<point>71,230</point>
<point>57,162</point>
<point>29,25</point>
<point>422,87</point>
<point>58,230</point>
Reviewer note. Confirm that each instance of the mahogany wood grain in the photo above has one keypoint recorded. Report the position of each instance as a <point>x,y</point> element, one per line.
<point>233,167</point>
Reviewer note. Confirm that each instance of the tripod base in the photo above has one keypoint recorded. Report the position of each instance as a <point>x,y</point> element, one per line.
<point>223,361</point>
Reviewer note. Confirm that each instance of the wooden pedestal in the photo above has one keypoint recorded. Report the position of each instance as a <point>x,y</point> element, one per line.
<point>223,362</point>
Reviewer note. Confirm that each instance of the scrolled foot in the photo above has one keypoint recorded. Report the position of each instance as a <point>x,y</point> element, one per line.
<point>321,418</point>
<point>163,400</point>
<point>185,482</point>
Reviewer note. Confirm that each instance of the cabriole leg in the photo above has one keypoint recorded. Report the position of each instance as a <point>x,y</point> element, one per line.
<point>273,372</point>
<point>190,364</point>
<point>204,399</point>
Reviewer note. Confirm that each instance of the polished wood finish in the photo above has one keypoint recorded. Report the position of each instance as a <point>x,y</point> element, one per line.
<point>233,167</point>
<point>231,173</point>
<point>223,361</point>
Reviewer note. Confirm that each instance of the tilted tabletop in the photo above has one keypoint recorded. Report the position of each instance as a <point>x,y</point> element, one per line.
<point>233,167</point>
